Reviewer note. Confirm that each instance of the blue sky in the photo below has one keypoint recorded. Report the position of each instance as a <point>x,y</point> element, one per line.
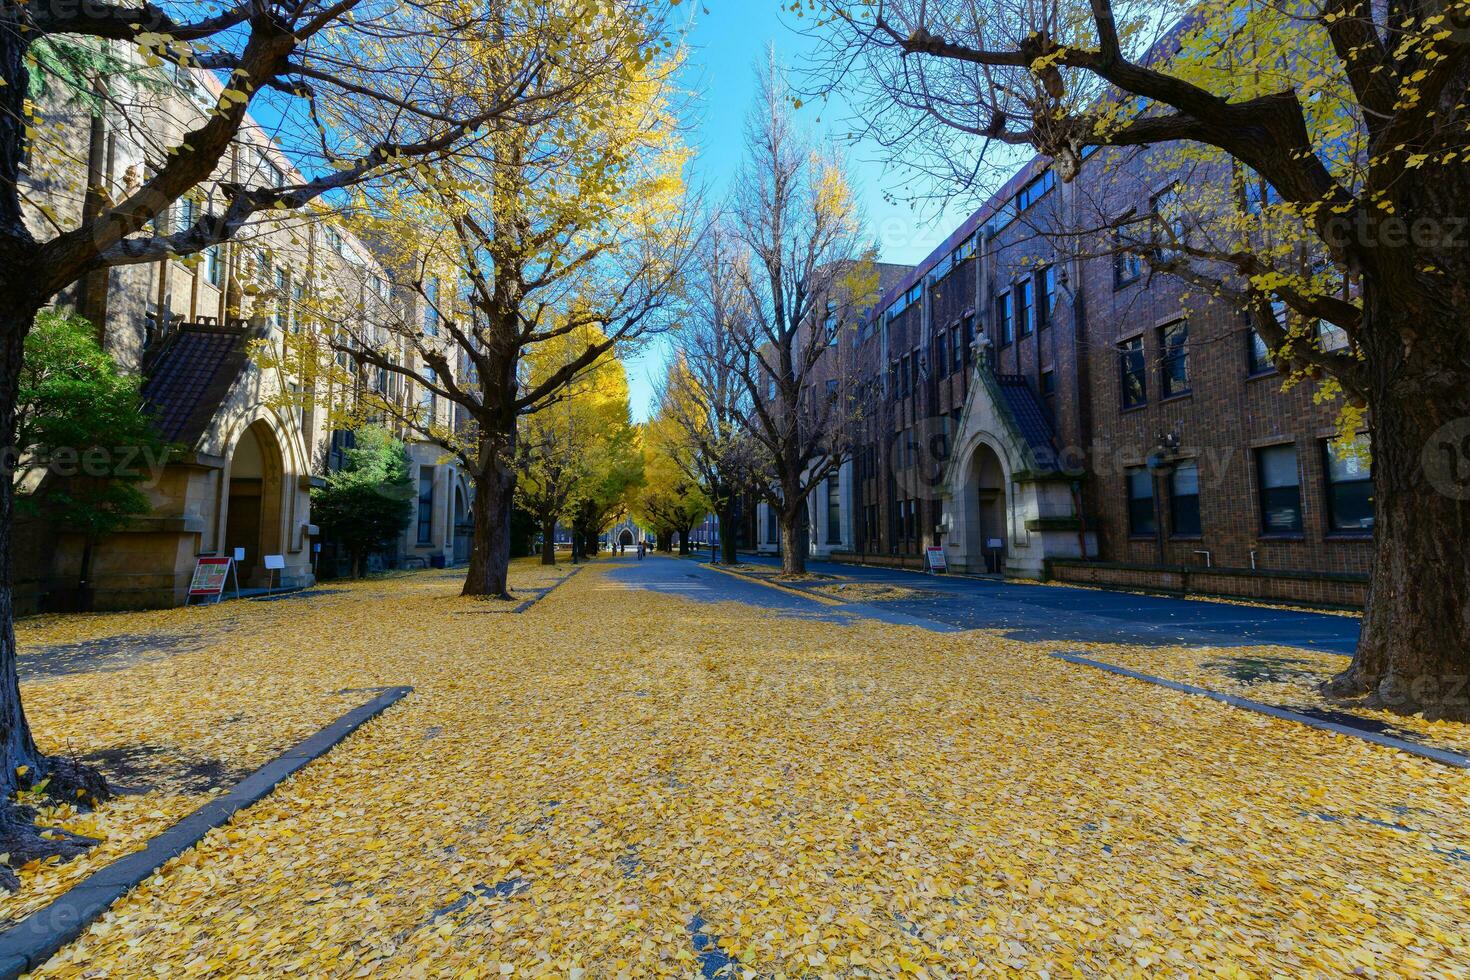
<point>728,39</point>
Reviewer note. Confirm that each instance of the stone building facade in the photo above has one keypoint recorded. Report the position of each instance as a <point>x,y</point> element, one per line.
<point>1039,405</point>
<point>251,443</point>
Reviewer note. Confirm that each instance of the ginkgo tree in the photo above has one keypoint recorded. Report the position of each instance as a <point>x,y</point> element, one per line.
<point>1344,127</point>
<point>667,501</point>
<point>383,95</point>
<point>570,230</point>
<point>564,445</point>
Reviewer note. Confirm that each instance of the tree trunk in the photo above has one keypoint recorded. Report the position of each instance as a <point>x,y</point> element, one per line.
<point>22,764</point>
<point>490,552</point>
<point>664,541</point>
<point>793,550</point>
<point>684,541</point>
<point>1414,651</point>
<point>548,541</point>
<point>727,532</point>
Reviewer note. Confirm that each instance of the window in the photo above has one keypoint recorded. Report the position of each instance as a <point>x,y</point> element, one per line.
<point>1174,358</point>
<point>941,356</point>
<point>831,391</point>
<point>956,349</point>
<point>1126,265</point>
<point>1141,518</point>
<point>1004,328</point>
<point>969,337</point>
<point>903,376</point>
<point>428,401</point>
<point>426,505</point>
<point>834,511</point>
<point>1134,373</point>
<point>1035,190</point>
<point>1169,225</point>
<point>1184,500</point>
<point>1049,392</point>
<point>282,311</point>
<point>1349,484</point>
<point>1046,295</point>
<point>913,385</point>
<point>830,324</point>
<point>1281,493</point>
<point>1330,336</point>
<point>214,266</point>
<point>298,299</point>
<point>1258,355</point>
<point>431,308</point>
<point>188,213</point>
<point>1024,323</point>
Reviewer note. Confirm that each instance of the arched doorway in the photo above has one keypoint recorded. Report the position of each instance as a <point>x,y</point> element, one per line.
<point>626,537</point>
<point>988,481</point>
<point>253,503</point>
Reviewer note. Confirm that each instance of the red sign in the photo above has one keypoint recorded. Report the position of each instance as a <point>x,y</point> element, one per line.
<point>210,575</point>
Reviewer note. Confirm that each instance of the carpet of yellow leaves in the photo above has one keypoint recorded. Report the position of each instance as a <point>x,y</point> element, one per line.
<point>1283,676</point>
<point>568,788</point>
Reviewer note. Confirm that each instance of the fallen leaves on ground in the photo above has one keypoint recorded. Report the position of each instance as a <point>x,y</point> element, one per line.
<point>616,781</point>
<point>870,592</point>
<point>174,728</point>
<point>1287,677</point>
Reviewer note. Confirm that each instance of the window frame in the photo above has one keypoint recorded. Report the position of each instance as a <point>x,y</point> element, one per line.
<point>1133,502</point>
<point>1126,352</point>
<point>1170,355</point>
<point>1330,487</point>
<point>1263,491</point>
<point>1175,496</point>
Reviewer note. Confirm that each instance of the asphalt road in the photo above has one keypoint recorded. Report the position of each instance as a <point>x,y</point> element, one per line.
<point>1024,612</point>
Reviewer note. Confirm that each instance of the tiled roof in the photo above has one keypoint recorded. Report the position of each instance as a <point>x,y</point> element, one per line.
<point>192,377</point>
<point>1030,417</point>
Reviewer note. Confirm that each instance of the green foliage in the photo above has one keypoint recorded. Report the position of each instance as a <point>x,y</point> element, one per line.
<point>69,69</point>
<point>369,502</point>
<point>82,420</point>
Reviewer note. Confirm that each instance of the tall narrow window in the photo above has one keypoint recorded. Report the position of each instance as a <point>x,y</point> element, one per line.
<point>1349,485</point>
<point>969,338</point>
<point>1046,295</point>
<point>1257,354</point>
<point>830,324</point>
<point>214,266</point>
<point>1281,492</point>
<point>1004,327</point>
<point>1049,393</point>
<point>956,352</point>
<point>1184,500</point>
<point>834,510</point>
<point>1024,322</point>
<point>1142,521</point>
<point>1174,358</point>
<point>426,505</point>
<point>1127,266</point>
<point>941,356</point>
<point>1134,372</point>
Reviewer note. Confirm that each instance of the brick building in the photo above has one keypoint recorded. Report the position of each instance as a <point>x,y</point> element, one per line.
<point>1040,404</point>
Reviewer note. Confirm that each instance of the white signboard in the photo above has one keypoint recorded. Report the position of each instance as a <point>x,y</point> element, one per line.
<point>239,555</point>
<point>275,563</point>
<point>937,560</point>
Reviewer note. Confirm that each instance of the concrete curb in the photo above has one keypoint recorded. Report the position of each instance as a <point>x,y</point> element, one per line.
<point>1443,756</point>
<point>36,938</point>
<point>524,604</point>
<point>795,590</point>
